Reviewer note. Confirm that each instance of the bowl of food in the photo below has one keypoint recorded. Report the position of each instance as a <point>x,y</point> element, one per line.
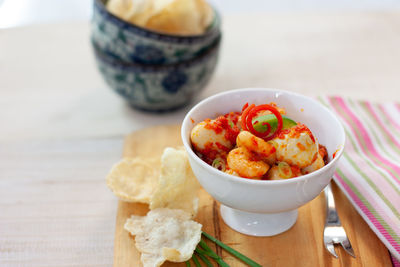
<point>262,153</point>
<point>154,31</point>
<point>158,87</point>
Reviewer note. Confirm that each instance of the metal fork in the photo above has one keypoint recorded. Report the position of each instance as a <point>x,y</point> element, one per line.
<point>334,232</point>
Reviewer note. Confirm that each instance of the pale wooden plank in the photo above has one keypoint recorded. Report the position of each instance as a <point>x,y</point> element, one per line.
<point>302,245</point>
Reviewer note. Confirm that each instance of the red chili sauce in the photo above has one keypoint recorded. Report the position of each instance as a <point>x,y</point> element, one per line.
<point>295,132</point>
<point>228,124</point>
<point>324,153</point>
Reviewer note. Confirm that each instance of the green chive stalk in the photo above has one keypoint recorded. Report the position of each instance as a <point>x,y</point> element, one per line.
<point>235,253</point>
<point>213,255</point>
<point>203,258</point>
<point>196,260</point>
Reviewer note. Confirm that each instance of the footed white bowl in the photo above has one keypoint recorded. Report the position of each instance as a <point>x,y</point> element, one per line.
<point>261,207</point>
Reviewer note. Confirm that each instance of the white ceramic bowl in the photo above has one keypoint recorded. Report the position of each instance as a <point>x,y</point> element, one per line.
<point>261,207</point>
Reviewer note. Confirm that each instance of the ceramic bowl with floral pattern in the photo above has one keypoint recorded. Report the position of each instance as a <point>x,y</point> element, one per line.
<point>134,44</point>
<point>157,87</point>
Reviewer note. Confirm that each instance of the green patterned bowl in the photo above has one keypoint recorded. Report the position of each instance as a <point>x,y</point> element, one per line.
<point>134,44</point>
<point>158,87</point>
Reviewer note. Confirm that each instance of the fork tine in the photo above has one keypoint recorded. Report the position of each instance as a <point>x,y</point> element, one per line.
<point>331,248</point>
<point>347,247</point>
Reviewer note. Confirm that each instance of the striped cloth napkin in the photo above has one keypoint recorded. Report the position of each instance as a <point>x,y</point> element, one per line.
<point>369,170</point>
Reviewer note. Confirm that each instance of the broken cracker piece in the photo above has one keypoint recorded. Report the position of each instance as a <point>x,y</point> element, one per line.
<point>164,234</point>
<point>177,186</point>
<point>134,179</point>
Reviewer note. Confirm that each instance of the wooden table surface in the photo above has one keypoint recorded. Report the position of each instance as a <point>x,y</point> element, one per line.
<point>62,128</point>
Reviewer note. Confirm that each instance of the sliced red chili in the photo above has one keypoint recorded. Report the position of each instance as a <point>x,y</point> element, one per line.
<point>245,106</point>
<point>251,111</point>
<point>244,115</point>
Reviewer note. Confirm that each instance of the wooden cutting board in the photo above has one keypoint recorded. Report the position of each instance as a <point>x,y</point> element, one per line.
<point>302,245</point>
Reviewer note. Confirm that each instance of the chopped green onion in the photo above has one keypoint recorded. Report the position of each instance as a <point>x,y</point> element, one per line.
<point>187,264</point>
<point>274,143</point>
<point>203,258</point>
<point>231,124</point>
<point>235,253</point>
<point>196,261</point>
<point>284,170</point>
<point>219,164</point>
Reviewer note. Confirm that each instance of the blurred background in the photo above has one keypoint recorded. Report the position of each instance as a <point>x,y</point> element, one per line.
<point>14,13</point>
